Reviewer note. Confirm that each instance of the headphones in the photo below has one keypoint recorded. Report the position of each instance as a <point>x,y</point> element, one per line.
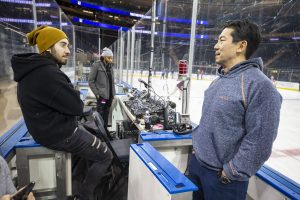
<point>182,128</point>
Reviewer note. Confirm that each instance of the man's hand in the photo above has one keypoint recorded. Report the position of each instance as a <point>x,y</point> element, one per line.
<point>8,197</point>
<point>5,197</point>
<point>30,196</point>
<point>223,173</point>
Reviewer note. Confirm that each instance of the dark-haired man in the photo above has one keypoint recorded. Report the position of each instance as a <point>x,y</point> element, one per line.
<point>239,121</point>
<point>50,105</point>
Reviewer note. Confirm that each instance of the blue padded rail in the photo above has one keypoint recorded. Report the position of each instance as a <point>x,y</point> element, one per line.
<point>27,142</point>
<point>168,175</point>
<point>286,186</point>
<point>82,83</point>
<point>86,83</point>
<point>163,135</point>
<point>12,137</point>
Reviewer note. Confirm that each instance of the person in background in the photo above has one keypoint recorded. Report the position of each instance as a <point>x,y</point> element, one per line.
<point>50,105</point>
<point>172,73</point>
<point>201,74</point>
<point>167,73</point>
<point>101,82</point>
<point>273,80</point>
<point>178,87</point>
<point>142,73</point>
<point>7,187</point>
<point>240,118</point>
<point>162,76</point>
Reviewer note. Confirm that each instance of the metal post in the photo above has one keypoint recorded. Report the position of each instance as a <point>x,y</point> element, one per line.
<point>132,53</point>
<point>34,14</point>
<point>99,43</point>
<point>152,43</point>
<point>164,35</point>
<point>34,19</point>
<point>127,54</point>
<point>118,51</point>
<point>121,56</point>
<point>60,20</point>
<point>186,91</point>
<point>138,55</point>
<point>74,47</point>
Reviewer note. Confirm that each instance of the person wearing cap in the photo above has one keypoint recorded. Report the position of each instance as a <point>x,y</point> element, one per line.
<point>101,82</point>
<point>240,118</point>
<point>50,105</point>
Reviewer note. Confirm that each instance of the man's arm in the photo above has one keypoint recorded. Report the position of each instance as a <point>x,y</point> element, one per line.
<point>54,90</point>
<point>261,125</point>
<point>5,197</point>
<point>5,179</point>
<point>93,78</point>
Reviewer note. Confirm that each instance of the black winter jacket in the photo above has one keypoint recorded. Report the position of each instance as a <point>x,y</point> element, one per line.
<point>48,101</point>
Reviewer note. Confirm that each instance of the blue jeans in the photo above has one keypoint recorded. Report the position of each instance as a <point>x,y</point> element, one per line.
<point>210,188</point>
<point>87,146</point>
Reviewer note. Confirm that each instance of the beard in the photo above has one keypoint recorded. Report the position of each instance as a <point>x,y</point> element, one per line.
<point>59,59</point>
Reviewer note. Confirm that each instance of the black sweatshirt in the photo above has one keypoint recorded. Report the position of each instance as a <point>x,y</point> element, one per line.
<point>48,101</point>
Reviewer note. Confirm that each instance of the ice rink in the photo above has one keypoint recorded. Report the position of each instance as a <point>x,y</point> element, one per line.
<point>285,157</point>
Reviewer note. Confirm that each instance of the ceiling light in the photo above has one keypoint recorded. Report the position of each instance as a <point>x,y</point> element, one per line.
<point>87,11</point>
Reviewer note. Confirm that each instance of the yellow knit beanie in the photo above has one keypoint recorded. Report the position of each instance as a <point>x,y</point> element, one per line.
<point>45,37</point>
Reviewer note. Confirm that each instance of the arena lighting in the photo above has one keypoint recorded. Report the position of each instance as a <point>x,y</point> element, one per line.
<point>113,27</point>
<point>105,9</point>
<point>101,8</point>
<point>17,1</point>
<point>144,32</point>
<point>126,13</point>
<point>296,38</point>
<point>43,5</point>
<point>274,39</point>
<point>26,21</point>
<point>30,21</point>
<point>98,24</point>
<point>27,2</point>
<point>182,35</point>
<point>184,21</point>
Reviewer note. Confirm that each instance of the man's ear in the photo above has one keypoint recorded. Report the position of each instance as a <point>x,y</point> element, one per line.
<point>242,46</point>
<point>49,50</point>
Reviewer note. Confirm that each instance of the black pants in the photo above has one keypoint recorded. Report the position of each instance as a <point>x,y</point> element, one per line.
<point>103,110</point>
<point>87,146</point>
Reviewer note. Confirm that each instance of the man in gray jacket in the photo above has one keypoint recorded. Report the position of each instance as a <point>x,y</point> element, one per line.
<point>239,121</point>
<point>7,187</point>
<point>101,82</point>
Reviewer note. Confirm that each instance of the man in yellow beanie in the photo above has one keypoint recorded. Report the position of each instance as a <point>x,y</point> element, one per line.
<point>50,105</point>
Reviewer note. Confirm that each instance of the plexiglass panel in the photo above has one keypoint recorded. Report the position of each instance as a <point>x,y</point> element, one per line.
<point>16,19</point>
